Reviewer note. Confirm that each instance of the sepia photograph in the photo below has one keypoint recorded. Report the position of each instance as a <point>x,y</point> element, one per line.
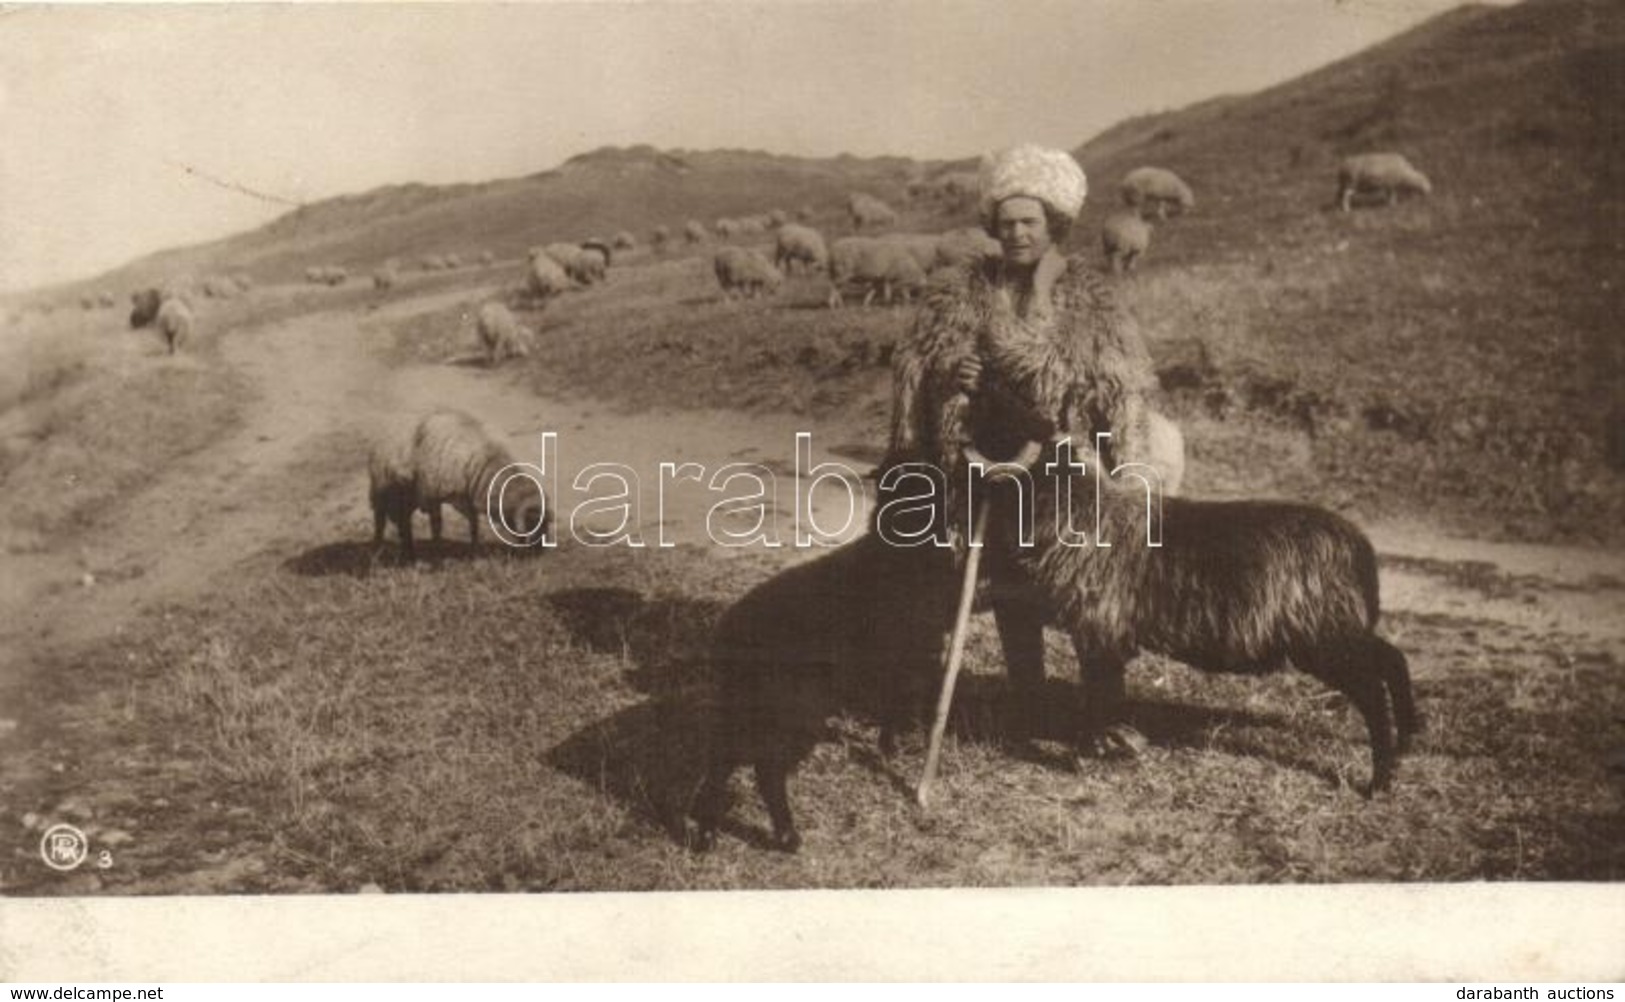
<point>484,453</point>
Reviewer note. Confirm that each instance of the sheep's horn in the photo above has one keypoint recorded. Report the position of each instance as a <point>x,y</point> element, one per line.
<point>1001,469</point>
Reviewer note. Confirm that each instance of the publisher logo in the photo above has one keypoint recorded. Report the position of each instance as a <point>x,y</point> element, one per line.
<point>63,847</point>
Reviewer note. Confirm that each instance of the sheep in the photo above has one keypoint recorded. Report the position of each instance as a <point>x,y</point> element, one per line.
<point>963,247</point>
<point>1233,587</point>
<point>174,323</point>
<point>219,287</point>
<point>624,241</point>
<point>752,225</point>
<point>450,458</point>
<point>545,278</point>
<point>879,267</point>
<point>869,212</point>
<point>487,259</point>
<point>856,628</point>
<point>725,228</point>
<point>920,246</point>
<point>777,218</point>
<point>803,245</point>
<point>590,265</point>
<point>745,271</point>
<point>564,254</point>
<point>105,300</point>
<point>501,335</point>
<point>804,214</point>
<point>144,306</point>
<point>601,247</point>
<point>1387,174</point>
<point>660,237</point>
<point>1147,188</point>
<point>694,232</point>
<point>431,262</point>
<point>244,283</point>
<point>384,278</point>
<point>1124,236</point>
<point>87,302</point>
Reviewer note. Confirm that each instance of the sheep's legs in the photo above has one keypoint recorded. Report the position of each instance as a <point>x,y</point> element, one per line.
<point>772,779</point>
<point>1105,733</point>
<point>1396,676</point>
<point>379,517</point>
<point>435,524</point>
<point>1347,667</point>
<point>403,529</point>
<point>712,801</point>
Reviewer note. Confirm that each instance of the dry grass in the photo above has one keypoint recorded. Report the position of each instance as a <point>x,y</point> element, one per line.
<point>516,723</point>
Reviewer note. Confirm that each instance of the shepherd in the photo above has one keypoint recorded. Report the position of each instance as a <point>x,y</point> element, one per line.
<point>1026,345</point>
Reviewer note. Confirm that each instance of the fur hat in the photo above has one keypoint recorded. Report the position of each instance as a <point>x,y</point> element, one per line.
<point>1051,176</point>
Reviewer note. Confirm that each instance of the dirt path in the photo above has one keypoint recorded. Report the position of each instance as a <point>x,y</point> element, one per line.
<point>293,473</point>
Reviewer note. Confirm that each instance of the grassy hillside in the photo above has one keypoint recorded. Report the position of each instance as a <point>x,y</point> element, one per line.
<point>1458,351</point>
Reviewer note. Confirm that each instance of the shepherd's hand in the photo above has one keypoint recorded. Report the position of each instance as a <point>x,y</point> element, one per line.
<point>970,374</point>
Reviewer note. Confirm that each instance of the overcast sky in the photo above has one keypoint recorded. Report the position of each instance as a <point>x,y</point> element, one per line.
<point>114,119</point>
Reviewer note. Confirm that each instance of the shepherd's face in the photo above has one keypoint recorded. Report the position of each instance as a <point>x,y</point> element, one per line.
<point>1022,229</point>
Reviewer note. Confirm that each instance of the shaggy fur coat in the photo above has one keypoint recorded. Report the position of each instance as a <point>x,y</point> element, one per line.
<point>1075,364</point>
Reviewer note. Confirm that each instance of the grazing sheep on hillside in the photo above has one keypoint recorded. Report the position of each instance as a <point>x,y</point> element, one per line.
<point>174,324</point>
<point>799,245</point>
<point>1379,173</point>
<point>920,246</point>
<point>869,212</point>
<point>725,228</point>
<point>746,272</point>
<point>959,189</point>
<point>1124,236</point>
<point>1147,188</point>
<point>450,458</point>
<point>487,259</point>
<point>105,300</point>
<point>958,248</point>
<point>383,279</point>
<point>87,302</point>
<point>878,267</point>
<point>1233,587</point>
<point>244,283</point>
<point>600,247</point>
<point>545,278</point>
<point>501,335</point>
<point>452,260</point>
<point>144,307</point>
<point>590,265</point>
<point>804,214</point>
<point>624,241</point>
<point>219,287</point>
<point>857,628</point>
<point>659,238</point>
<point>777,218</point>
<point>694,232</point>
<point>431,262</point>
<point>564,254</point>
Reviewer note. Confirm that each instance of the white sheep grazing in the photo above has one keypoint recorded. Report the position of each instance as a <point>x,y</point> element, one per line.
<point>591,264</point>
<point>804,214</point>
<point>694,232</point>
<point>449,458</point>
<point>725,228</point>
<point>1147,188</point>
<point>1124,236</point>
<point>383,279</point>
<point>875,265</point>
<point>966,246</point>
<point>624,241</point>
<point>1379,173</point>
<point>174,323</point>
<point>501,335</point>
<point>869,212</point>
<point>777,218</point>
<point>745,271</point>
<point>487,259</point>
<point>920,246</point>
<point>546,278</point>
<point>660,237</point>
<point>800,245</point>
